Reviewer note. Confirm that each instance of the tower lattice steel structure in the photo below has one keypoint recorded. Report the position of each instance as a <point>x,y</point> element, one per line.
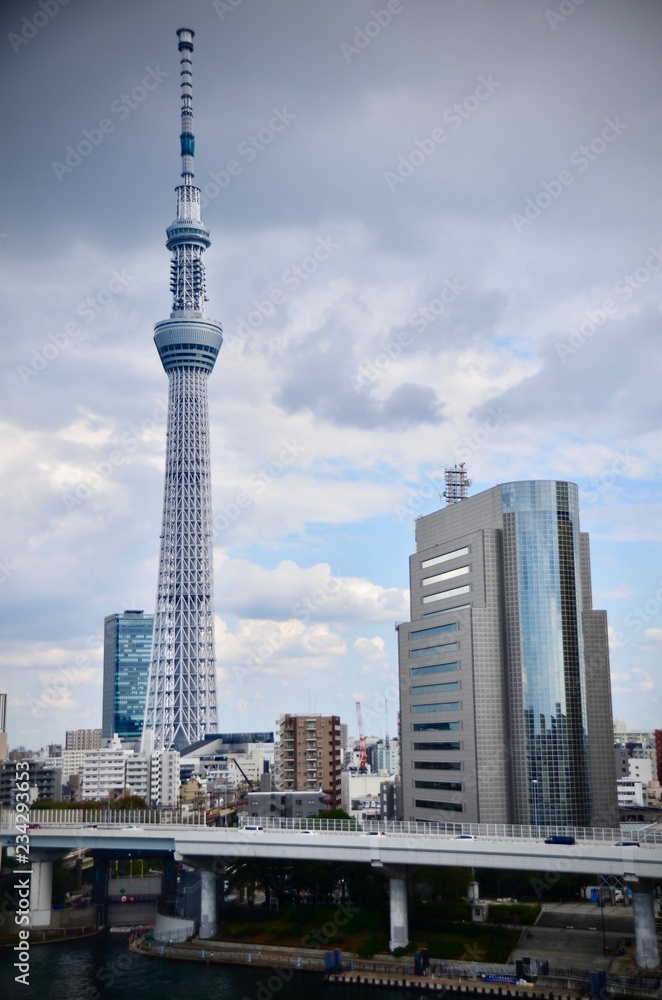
<point>181,691</point>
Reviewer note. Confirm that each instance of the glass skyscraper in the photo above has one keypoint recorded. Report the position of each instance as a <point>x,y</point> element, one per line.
<point>127,647</point>
<point>547,668</point>
<point>504,666</point>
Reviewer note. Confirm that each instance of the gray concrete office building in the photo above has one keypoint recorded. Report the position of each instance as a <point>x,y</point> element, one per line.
<point>504,666</point>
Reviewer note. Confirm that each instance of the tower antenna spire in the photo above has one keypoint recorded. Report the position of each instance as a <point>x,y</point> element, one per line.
<point>187,138</point>
<point>457,484</point>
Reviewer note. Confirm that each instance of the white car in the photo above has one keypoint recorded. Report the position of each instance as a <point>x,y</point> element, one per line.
<point>308,833</point>
<point>132,827</point>
<point>464,836</point>
<point>252,829</point>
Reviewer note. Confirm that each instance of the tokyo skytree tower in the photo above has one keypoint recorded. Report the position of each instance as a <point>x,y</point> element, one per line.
<point>181,690</point>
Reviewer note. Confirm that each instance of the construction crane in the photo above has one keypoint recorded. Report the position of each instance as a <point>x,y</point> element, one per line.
<point>248,781</point>
<point>363,747</point>
<point>387,741</point>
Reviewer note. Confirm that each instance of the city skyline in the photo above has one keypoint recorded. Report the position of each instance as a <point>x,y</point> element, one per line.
<point>437,238</point>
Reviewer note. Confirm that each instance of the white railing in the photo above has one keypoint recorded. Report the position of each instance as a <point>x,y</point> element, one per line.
<point>114,818</point>
<point>169,818</point>
<point>492,831</point>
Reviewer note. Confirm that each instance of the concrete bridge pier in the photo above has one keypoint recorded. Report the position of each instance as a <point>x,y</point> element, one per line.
<point>208,904</point>
<point>207,868</point>
<point>41,892</point>
<point>399,933</point>
<point>645,935</point>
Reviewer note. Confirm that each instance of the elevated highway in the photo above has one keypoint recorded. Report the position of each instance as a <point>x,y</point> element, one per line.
<point>394,848</point>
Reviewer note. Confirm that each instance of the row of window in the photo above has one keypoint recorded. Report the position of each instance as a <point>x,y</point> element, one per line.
<point>448,575</point>
<point>436,727</point>
<point>447,647</point>
<point>437,746</point>
<point>188,347</point>
<point>449,806</point>
<point>446,611</point>
<point>435,668</point>
<point>446,706</point>
<point>435,688</point>
<point>437,765</point>
<point>445,558</point>
<point>441,786</point>
<point>445,594</point>
<point>434,630</point>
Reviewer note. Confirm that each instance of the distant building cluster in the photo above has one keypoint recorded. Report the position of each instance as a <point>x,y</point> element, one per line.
<point>505,704</point>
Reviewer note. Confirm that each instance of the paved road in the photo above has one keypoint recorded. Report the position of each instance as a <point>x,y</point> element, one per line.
<point>569,935</point>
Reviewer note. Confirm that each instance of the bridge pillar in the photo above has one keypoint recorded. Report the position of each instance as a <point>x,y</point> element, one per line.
<point>41,891</point>
<point>208,911</point>
<point>399,935</point>
<point>646,951</point>
<point>100,886</point>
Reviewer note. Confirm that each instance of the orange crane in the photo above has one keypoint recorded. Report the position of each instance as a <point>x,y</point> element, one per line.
<point>363,748</point>
<point>243,774</point>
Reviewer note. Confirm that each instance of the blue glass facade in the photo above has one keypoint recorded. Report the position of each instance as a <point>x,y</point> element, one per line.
<point>543,581</point>
<point>126,655</point>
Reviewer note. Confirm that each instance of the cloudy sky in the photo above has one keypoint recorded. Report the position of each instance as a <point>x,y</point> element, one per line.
<point>436,237</point>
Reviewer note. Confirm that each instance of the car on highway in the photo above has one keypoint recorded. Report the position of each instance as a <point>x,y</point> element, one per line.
<point>308,833</point>
<point>464,836</point>
<point>373,833</point>
<point>560,838</point>
<point>132,826</point>
<point>252,829</point>
<point>626,843</point>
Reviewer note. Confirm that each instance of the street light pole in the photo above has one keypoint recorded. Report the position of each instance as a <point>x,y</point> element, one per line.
<point>602,918</point>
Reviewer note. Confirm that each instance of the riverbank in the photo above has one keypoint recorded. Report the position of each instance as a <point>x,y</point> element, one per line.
<point>387,971</point>
<point>54,935</point>
<point>444,984</point>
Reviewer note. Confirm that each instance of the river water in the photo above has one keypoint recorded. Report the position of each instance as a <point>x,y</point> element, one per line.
<point>102,968</point>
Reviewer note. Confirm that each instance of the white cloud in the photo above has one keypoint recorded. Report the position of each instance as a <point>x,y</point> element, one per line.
<point>311,594</point>
<point>371,649</point>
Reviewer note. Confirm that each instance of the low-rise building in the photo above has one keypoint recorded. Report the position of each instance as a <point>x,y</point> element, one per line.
<point>82,739</point>
<point>285,805</point>
<point>631,793</point>
<point>45,782</point>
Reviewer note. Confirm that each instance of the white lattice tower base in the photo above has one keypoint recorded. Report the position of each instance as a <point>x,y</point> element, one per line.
<point>181,699</point>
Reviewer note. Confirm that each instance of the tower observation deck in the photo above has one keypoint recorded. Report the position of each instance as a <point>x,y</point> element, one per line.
<point>181,690</point>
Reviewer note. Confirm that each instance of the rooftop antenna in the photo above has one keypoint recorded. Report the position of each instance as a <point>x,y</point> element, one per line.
<point>457,484</point>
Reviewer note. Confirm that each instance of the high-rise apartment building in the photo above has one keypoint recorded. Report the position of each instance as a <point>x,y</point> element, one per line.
<point>181,696</point>
<point>127,647</point>
<point>504,667</point>
<point>82,739</point>
<point>309,755</point>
